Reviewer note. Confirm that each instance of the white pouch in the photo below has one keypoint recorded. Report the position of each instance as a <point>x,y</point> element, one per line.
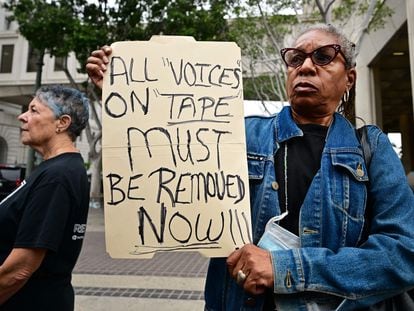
<point>277,238</point>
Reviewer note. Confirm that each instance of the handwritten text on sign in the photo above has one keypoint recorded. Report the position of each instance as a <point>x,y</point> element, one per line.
<point>174,167</point>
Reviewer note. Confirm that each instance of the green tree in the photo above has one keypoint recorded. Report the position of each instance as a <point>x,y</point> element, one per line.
<point>204,20</point>
<point>58,27</point>
<point>35,19</point>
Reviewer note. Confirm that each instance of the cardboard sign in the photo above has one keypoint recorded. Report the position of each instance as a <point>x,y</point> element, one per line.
<point>174,158</point>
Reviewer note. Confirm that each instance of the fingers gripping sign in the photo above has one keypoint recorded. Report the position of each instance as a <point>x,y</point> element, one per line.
<point>96,64</point>
<point>252,268</point>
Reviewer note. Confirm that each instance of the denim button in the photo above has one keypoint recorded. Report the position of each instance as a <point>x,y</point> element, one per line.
<point>250,302</point>
<point>360,171</point>
<point>275,185</point>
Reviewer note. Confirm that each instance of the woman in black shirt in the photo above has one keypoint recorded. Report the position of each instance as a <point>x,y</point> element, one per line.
<point>43,222</point>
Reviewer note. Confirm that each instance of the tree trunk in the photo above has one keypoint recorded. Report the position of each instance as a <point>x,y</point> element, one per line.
<point>96,182</point>
<point>95,156</point>
<point>30,162</point>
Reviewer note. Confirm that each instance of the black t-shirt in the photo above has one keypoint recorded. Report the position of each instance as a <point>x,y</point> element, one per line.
<point>303,162</point>
<point>47,211</point>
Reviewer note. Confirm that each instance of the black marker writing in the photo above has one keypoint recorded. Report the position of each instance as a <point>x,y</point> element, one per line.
<point>204,75</point>
<point>185,107</point>
<point>207,235</point>
<point>159,235</point>
<point>162,137</point>
<point>116,106</point>
<point>182,188</point>
<point>117,193</point>
<point>120,68</point>
<point>184,229</point>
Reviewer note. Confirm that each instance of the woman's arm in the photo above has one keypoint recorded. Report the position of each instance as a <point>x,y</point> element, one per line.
<point>383,264</point>
<point>17,269</point>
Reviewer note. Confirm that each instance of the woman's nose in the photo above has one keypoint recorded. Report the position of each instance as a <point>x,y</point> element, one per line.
<point>22,117</point>
<point>307,66</point>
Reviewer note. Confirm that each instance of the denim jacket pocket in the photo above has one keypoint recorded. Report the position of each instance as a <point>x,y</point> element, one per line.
<point>353,162</point>
<point>348,182</point>
<point>348,192</point>
<point>256,165</point>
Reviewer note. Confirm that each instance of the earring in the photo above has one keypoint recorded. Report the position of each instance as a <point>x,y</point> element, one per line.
<point>345,97</point>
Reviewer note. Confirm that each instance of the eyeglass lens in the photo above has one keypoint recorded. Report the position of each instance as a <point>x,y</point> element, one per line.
<point>321,56</point>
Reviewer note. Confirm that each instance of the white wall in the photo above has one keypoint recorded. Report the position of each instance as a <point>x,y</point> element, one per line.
<point>371,45</point>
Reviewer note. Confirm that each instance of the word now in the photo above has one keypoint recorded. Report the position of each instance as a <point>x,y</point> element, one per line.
<point>200,229</point>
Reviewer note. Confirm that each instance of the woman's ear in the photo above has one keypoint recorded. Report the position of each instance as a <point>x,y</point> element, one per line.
<point>64,123</point>
<point>350,78</point>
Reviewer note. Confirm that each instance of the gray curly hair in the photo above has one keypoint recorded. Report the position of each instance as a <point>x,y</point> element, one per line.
<point>347,105</point>
<point>347,46</point>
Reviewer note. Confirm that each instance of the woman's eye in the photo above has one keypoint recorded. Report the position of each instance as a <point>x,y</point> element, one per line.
<point>297,59</point>
<point>321,56</point>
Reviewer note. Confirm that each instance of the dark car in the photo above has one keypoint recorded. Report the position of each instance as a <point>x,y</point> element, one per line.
<point>11,177</point>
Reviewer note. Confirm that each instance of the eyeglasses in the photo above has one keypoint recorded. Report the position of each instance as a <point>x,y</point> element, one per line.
<point>321,56</point>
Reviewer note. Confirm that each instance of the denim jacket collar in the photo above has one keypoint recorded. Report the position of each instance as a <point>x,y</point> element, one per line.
<point>338,126</point>
<point>286,127</point>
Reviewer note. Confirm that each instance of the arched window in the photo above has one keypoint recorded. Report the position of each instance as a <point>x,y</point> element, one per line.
<point>3,150</point>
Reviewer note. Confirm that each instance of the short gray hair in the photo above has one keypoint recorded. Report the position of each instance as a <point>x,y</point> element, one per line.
<point>66,101</point>
<point>347,105</point>
<point>347,46</point>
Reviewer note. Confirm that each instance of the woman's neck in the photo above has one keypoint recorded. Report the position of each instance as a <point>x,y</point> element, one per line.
<point>321,120</point>
<point>56,148</point>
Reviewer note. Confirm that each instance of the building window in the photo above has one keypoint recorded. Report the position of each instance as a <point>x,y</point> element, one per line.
<point>7,23</point>
<point>59,63</point>
<point>6,59</point>
<point>3,150</point>
<point>32,59</point>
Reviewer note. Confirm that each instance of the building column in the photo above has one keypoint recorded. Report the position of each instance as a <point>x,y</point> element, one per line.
<point>410,26</point>
<point>408,122</point>
<point>407,134</point>
<point>366,97</point>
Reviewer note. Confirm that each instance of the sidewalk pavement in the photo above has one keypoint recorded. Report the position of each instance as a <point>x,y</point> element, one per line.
<point>169,281</point>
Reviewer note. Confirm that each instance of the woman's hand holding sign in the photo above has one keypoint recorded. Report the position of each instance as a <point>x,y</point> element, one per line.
<point>251,266</point>
<point>96,64</point>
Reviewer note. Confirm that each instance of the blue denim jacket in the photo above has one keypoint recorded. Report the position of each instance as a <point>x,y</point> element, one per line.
<point>336,266</point>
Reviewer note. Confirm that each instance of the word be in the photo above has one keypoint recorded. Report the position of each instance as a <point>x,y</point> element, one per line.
<point>185,188</point>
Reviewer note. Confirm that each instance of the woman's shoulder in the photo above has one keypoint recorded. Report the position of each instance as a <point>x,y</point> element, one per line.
<point>62,167</point>
<point>260,121</point>
<point>375,135</point>
<point>67,160</point>
<point>259,126</point>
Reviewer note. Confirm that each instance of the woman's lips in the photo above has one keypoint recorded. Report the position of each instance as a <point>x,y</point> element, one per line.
<point>305,87</point>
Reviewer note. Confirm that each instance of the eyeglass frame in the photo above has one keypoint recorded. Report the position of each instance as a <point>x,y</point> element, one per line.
<point>336,47</point>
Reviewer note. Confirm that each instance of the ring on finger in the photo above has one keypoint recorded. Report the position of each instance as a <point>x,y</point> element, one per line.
<point>241,277</point>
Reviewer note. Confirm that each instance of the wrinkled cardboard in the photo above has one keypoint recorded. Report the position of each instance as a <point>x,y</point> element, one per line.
<point>174,155</point>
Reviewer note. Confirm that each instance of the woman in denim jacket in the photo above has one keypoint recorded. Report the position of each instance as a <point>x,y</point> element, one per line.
<point>354,221</point>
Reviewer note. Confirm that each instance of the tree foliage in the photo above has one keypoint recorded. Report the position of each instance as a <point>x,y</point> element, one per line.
<point>46,25</point>
<point>58,27</point>
<point>258,26</point>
